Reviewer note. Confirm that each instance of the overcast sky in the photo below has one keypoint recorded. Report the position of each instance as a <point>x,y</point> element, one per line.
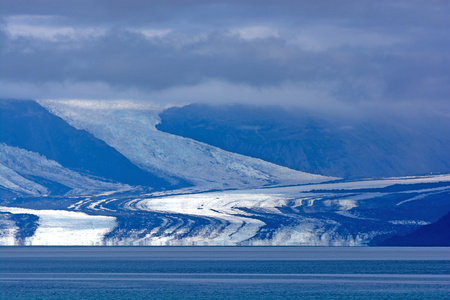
<point>319,54</point>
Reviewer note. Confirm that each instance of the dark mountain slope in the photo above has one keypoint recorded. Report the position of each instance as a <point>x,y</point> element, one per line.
<point>435,234</point>
<point>326,145</point>
<point>27,125</point>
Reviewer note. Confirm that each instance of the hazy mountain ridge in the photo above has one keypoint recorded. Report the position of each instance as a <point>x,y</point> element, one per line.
<point>331,145</point>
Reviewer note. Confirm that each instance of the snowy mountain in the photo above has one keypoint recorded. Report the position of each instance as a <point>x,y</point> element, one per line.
<point>101,173</point>
<point>131,130</point>
<point>31,173</point>
<point>27,125</point>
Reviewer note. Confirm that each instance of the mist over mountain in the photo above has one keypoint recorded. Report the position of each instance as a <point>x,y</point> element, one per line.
<point>332,145</point>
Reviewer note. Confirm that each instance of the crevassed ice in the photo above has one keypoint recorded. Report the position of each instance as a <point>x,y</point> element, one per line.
<point>132,132</point>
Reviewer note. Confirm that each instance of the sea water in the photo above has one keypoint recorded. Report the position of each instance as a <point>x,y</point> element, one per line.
<point>224,273</point>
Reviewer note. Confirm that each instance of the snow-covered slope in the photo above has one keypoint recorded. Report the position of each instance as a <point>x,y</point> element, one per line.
<point>10,180</point>
<point>130,128</point>
<point>15,163</point>
<point>27,125</point>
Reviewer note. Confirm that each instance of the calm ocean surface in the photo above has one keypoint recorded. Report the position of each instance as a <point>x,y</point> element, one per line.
<point>224,273</point>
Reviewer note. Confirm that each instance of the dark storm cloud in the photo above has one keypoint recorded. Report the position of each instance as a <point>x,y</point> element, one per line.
<point>127,58</point>
<point>342,51</point>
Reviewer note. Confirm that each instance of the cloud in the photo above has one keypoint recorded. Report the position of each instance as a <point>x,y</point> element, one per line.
<point>344,54</point>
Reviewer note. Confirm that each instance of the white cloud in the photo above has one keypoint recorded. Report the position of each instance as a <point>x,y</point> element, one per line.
<point>320,38</point>
<point>44,27</point>
<point>255,32</point>
<point>151,33</point>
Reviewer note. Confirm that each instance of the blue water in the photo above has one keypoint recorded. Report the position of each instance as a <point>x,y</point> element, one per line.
<point>224,273</point>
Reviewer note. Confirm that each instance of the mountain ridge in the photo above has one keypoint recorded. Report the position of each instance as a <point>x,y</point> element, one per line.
<point>327,145</point>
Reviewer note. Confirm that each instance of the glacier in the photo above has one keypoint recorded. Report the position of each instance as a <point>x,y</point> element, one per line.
<point>241,213</point>
<point>230,199</point>
<point>324,214</point>
<point>130,128</point>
